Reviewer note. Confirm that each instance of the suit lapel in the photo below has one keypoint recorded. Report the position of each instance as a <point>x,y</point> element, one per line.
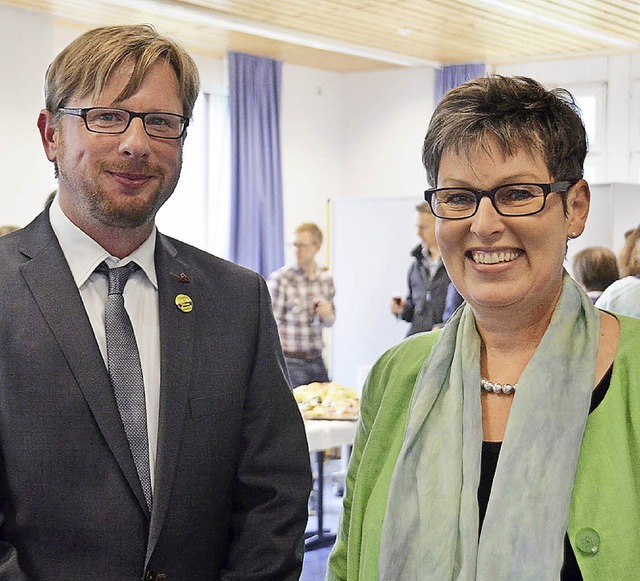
<point>48,276</point>
<point>176,351</point>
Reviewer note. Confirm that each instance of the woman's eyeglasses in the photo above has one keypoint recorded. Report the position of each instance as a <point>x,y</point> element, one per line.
<point>508,200</point>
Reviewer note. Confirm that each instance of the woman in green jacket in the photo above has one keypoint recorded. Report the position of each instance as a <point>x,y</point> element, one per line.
<point>506,445</point>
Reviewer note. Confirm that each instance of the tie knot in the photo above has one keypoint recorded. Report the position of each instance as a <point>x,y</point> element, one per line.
<point>117,277</point>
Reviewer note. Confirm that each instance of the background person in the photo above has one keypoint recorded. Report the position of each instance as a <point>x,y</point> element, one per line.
<point>7,229</point>
<point>623,296</point>
<point>454,300</point>
<point>427,280</point>
<point>595,268</point>
<point>190,463</point>
<point>476,455</point>
<point>302,295</point>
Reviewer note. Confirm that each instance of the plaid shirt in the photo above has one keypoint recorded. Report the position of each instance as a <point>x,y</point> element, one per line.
<point>294,296</point>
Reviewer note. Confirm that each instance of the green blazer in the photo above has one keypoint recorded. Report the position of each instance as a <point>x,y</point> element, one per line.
<point>604,520</point>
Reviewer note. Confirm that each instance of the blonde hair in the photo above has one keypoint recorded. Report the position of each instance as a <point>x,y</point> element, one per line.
<point>8,229</point>
<point>630,254</point>
<point>83,68</point>
<point>316,233</point>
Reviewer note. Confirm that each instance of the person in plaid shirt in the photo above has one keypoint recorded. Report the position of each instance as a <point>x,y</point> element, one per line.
<point>302,296</point>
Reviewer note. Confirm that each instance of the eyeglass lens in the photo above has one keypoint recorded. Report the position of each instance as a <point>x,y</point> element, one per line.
<point>116,121</point>
<point>512,200</point>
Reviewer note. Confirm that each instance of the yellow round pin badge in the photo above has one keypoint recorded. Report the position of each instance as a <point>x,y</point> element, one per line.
<point>184,303</point>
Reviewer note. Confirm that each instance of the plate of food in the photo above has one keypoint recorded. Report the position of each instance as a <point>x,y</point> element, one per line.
<point>327,401</point>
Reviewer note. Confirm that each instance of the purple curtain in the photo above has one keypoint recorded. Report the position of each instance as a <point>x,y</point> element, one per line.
<point>257,229</point>
<point>450,77</point>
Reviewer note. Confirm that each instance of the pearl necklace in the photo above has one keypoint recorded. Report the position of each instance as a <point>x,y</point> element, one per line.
<point>491,387</point>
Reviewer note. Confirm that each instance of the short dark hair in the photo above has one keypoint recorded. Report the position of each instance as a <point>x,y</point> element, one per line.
<point>595,268</point>
<point>517,112</point>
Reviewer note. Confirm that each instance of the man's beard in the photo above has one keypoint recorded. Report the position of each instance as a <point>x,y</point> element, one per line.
<point>133,212</point>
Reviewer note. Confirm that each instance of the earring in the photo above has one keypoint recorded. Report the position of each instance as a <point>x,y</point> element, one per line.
<point>572,235</point>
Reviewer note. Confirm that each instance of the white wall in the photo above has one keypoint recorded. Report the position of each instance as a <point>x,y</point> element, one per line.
<point>25,42</point>
<point>312,144</point>
<point>386,117</point>
<point>369,265</point>
<point>355,135</point>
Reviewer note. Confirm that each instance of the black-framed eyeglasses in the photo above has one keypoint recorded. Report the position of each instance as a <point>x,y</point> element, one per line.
<point>114,121</point>
<point>508,200</point>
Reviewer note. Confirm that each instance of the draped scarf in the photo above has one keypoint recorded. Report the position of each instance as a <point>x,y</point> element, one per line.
<point>430,528</point>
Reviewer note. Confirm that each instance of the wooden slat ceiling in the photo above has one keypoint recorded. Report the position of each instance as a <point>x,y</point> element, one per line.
<point>361,35</point>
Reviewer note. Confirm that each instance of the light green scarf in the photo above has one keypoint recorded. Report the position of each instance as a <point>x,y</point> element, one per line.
<point>430,530</point>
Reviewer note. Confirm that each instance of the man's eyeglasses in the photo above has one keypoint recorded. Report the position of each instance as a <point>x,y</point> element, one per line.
<point>508,200</point>
<point>115,121</point>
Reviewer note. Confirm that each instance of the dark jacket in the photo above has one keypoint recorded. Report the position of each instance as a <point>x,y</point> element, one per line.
<point>232,473</point>
<point>425,302</point>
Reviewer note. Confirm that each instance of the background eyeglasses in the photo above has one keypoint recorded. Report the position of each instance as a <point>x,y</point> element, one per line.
<point>508,200</point>
<point>115,121</point>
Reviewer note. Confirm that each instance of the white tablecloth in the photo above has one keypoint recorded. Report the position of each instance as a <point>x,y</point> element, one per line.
<point>325,434</point>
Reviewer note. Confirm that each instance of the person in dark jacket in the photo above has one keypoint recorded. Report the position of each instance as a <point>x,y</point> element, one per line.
<point>428,280</point>
<point>148,428</point>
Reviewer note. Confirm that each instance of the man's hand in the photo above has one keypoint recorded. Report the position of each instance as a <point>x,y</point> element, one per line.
<point>397,304</point>
<point>324,309</point>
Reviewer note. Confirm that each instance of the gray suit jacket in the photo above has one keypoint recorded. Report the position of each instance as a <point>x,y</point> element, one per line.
<point>232,476</point>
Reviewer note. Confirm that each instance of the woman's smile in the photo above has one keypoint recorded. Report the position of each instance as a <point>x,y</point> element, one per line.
<point>494,256</point>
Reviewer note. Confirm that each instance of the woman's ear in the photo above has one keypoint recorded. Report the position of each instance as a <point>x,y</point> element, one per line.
<point>578,202</point>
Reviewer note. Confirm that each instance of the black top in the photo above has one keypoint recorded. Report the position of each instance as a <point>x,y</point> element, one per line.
<point>489,461</point>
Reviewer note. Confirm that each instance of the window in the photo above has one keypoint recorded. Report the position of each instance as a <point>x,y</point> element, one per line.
<point>591,98</point>
<point>198,211</point>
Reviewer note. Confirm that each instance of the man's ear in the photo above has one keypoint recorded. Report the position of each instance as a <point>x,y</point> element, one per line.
<point>49,134</point>
<point>578,202</point>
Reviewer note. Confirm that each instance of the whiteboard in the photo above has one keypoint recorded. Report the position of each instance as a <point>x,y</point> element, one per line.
<point>369,248</point>
<point>370,243</point>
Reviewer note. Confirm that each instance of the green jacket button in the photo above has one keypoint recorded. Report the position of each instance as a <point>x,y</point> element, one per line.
<point>588,541</point>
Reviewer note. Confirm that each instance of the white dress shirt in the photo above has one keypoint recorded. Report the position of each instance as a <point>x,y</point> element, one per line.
<point>83,254</point>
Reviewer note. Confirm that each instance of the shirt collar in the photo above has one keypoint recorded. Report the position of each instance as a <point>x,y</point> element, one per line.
<point>301,271</point>
<point>426,256</point>
<point>84,254</point>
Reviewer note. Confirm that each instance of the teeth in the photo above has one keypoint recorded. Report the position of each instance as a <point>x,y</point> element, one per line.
<point>494,257</point>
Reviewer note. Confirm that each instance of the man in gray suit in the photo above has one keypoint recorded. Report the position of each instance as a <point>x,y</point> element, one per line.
<point>219,488</point>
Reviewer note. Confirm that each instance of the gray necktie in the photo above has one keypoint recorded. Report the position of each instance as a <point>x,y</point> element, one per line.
<point>125,371</point>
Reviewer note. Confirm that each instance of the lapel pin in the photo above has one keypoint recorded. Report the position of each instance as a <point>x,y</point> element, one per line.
<point>184,303</point>
<point>182,277</point>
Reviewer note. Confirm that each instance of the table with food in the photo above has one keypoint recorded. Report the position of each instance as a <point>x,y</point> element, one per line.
<point>330,411</point>
<point>327,401</point>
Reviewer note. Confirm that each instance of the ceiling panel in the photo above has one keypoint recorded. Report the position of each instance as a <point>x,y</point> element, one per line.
<point>359,35</point>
